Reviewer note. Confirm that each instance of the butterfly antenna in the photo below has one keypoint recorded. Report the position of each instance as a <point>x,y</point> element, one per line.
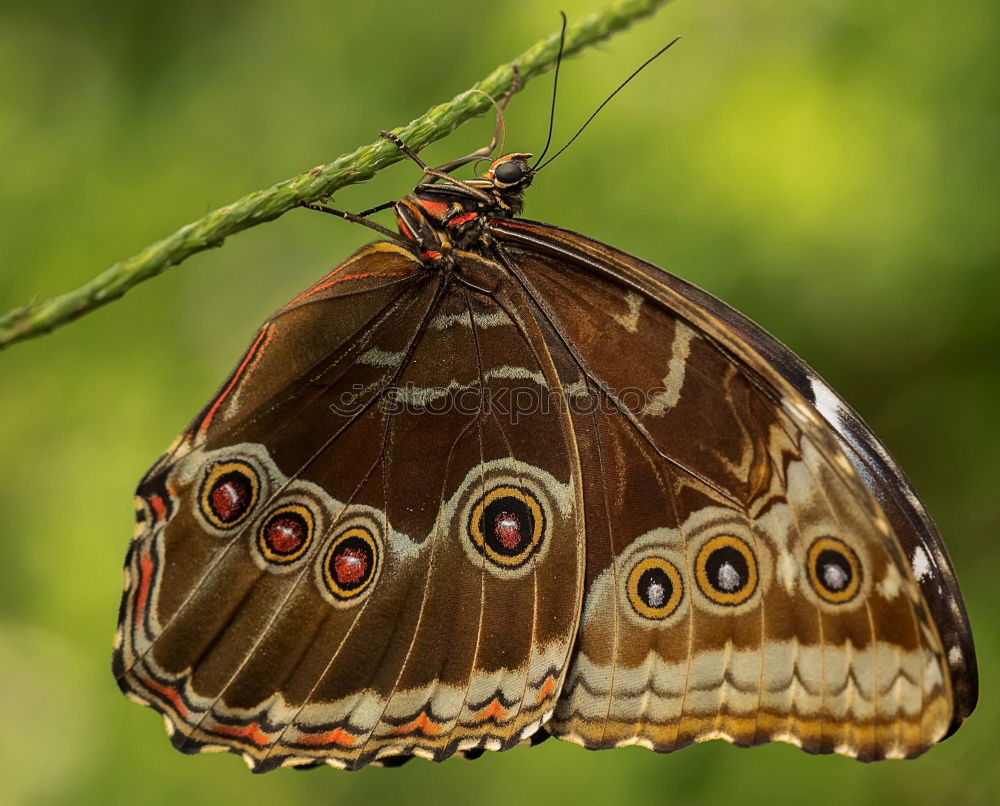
<point>555,86</point>
<point>604,103</point>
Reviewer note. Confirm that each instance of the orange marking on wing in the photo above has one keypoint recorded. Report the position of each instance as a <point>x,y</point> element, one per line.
<point>251,732</point>
<point>359,276</point>
<point>494,711</point>
<point>547,688</point>
<point>324,285</point>
<point>168,693</point>
<point>265,335</point>
<point>159,507</point>
<point>260,352</point>
<point>318,286</point>
<point>145,577</point>
<point>461,219</point>
<point>338,736</point>
<point>423,723</point>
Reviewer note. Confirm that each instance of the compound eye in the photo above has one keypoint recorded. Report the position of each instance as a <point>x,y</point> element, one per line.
<point>510,172</point>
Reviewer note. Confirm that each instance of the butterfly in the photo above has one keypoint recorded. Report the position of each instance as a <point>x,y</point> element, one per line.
<point>490,481</point>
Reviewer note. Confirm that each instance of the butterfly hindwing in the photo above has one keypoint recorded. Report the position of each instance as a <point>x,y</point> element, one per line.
<point>747,585</point>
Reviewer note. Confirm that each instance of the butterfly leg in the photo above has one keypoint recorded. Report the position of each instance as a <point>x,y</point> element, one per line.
<point>377,208</point>
<point>359,218</point>
<point>415,231</point>
<point>434,172</point>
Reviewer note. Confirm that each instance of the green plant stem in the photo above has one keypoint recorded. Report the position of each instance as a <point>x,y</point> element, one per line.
<point>357,166</point>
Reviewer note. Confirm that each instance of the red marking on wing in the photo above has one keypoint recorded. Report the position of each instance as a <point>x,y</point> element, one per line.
<point>319,286</point>
<point>263,339</point>
<point>260,353</point>
<point>145,578</point>
<point>494,711</point>
<point>547,688</point>
<point>422,723</point>
<point>251,732</point>
<point>461,219</point>
<point>431,254</point>
<point>168,693</point>
<point>513,224</point>
<point>337,736</point>
<point>324,285</point>
<point>158,505</point>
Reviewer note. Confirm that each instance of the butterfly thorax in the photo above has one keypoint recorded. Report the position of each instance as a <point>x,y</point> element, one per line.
<point>439,218</point>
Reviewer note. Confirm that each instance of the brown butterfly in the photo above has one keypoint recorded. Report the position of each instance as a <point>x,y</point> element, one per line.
<point>490,481</point>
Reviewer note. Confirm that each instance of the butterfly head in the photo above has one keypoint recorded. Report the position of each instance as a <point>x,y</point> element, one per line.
<point>510,173</point>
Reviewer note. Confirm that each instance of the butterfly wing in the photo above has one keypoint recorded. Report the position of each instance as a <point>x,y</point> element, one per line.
<point>757,567</point>
<point>383,535</point>
<point>349,557</point>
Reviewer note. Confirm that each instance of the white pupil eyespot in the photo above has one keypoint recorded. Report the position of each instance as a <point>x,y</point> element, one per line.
<point>729,577</point>
<point>656,594</point>
<point>835,577</point>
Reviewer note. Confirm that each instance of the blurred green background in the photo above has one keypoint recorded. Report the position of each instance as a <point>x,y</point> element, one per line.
<point>829,167</point>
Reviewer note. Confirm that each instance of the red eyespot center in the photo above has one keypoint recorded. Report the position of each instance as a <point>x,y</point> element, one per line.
<point>285,535</point>
<point>229,499</point>
<point>350,566</point>
<point>508,528</point>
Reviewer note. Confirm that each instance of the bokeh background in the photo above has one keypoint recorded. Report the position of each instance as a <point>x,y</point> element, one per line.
<point>829,167</point>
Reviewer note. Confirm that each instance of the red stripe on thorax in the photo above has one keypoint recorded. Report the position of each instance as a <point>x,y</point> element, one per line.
<point>462,218</point>
<point>404,230</point>
<point>435,209</point>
